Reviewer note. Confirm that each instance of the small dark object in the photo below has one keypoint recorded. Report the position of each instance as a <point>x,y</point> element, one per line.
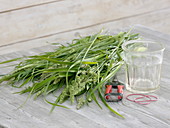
<point>111,96</point>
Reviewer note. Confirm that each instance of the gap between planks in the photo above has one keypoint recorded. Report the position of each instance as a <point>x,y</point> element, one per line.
<point>24,24</point>
<point>88,26</point>
<point>29,6</point>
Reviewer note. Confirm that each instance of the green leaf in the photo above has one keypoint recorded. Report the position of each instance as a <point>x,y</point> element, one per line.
<point>86,62</point>
<point>54,104</point>
<point>59,70</point>
<point>8,61</point>
<point>40,84</point>
<point>54,60</point>
<point>63,74</point>
<point>94,98</point>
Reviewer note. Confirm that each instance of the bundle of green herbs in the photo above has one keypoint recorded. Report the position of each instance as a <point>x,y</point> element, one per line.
<point>78,71</point>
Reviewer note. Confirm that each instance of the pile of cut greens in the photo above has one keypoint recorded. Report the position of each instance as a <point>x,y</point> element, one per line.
<point>78,71</point>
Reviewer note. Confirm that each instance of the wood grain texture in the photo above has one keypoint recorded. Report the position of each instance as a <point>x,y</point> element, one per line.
<point>30,116</point>
<point>47,19</point>
<point>11,5</point>
<point>35,113</point>
<point>154,22</point>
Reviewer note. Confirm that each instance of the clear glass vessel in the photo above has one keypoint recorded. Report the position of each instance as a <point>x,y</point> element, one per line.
<point>143,61</point>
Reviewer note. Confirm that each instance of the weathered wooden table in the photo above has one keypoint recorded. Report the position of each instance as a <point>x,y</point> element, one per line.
<point>35,114</point>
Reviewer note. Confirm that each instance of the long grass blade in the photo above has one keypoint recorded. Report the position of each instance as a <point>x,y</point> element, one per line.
<point>54,104</point>
<point>11,60</point>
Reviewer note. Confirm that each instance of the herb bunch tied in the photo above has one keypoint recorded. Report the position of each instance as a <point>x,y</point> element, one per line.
<point>77,71</point>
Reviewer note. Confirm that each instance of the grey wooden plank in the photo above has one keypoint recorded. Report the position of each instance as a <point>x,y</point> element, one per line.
<point>36,112</point>
<point>24,24</point>
<point>149,19</point>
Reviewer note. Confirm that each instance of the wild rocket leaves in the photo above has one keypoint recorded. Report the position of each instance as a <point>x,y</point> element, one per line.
<point>77,71</point>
